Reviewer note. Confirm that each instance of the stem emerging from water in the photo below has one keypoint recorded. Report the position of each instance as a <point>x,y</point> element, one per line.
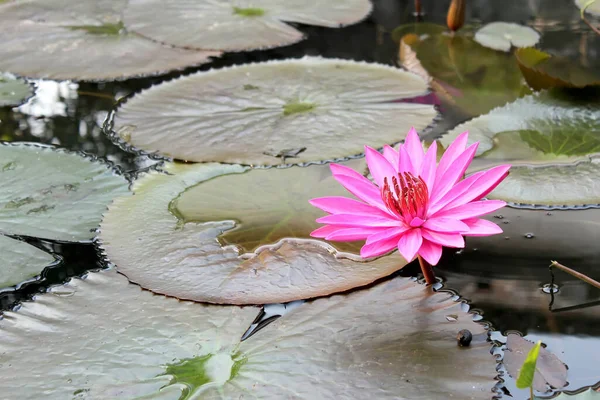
<point>576,274</point>
<point>427,271</point>
<point>531,391</point>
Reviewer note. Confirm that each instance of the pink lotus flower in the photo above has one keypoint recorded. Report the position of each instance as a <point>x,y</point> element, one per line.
<point>417,205</point>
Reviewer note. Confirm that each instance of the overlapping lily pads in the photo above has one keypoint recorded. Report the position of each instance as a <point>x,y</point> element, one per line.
<point>20,261</point>
<point>53,194</point>
<point>233,25</point>
<point>504,35</point>
<point>13,91</point>
<point>185,259</point>
<point>466,75</point>
<point>397,340</point>
<point>312,108</point>
<point>81,40</point>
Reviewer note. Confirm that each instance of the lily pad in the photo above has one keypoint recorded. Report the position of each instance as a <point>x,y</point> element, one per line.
<point>589,394</point>
<point>544,71</point>
<point>504,35</point>
<point>232,25</point>
<point>250,114</point>
<point>61,39</point>
<point>13,91</point>
<point>184,259</point>
<point>20,261</point>
<point>550,371</point>
<point>593,7</point>
<point>52,193</point>
<point>394,339</point>
<point>465,75</point>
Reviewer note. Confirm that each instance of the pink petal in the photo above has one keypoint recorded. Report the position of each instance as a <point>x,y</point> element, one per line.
<point>324,231</point>
<point>494,176</point>
<point>446,225</point>
<point>431,252</point>
<point>409,244</point>
<point>471,210</point>
<point>391,155</point>
<point>481,227</point>
<point>345,205</point>
<point>378,248</point>
<point>378,165</point>
<point>405,163</point>
<point>352,234</point>
<point>458,191</point>
<point>357,221</point>
<point>444,239</point>
<point>428,169</point>
<point>414,148</point>
<point>451,153</point>
<point>389,233</point>
<point>358,185</point>
<point>453,173</point>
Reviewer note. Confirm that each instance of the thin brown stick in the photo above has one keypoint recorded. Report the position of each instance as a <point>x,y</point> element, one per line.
<point>418,7</point>
<point>588,23</point>
<point>576,274</point>
<point>583,9</point>
<point>427,271</point>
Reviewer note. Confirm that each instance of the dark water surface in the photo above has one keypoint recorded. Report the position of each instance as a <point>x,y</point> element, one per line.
<point>509,291</point>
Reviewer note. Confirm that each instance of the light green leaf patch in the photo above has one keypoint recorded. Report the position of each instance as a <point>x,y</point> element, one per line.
<point>225,234</point>
<point>20,261</point>
<point>525,379</point>
<point>139,345</point>
<point>13,91</point>
<point>590,6</point>
<point>504,35</point>
<point>248,114</point>
<point>54,194</point>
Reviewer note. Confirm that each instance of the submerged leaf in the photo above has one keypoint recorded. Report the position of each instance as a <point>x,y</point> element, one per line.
<point>13,91</point>
<point>53,194</point>
<point>528,369</point>
<point>20,261</point>
<point>137,345</point>
<point>178,253</point>
<point>224,25</point>
<point>549,369</point>
<point>544,71</point>
<point>248,114</point>
<point>504,35</point>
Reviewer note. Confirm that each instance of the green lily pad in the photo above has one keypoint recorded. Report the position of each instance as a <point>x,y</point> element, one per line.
<point>395,339</point>
<point>233,26</point>
<point>504,35</point>
<point>13,91</point>
<point>178,252</point>
<point>20,261</point>
<point>552,140</point>
<point>53,194</point>
<point>251,113</point>
<point>592,7</point>
<point>60,39</point>
<point>544,71</point>
<point>465,75</point>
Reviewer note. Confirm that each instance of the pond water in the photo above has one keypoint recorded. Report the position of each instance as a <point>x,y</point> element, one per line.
<point>507,281</point>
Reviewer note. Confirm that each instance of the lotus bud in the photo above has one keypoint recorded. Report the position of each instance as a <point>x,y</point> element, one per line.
<point>456,15</point>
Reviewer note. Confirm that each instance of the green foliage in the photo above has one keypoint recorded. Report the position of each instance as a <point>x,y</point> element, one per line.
<point>570,137</point>
<point>297,107</point>
<point>249,12</point>
<point>525,379</point>
<point>106,29</point>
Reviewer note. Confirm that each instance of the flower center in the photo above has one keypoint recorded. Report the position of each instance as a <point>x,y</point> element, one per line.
<point>407,197</point>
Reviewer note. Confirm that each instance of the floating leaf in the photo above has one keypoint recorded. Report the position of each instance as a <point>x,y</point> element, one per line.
<point>248,113</point>
<point>53,194</point>
<point>549,369</point>
<point>13,91</point>
<point>233,26</point>
<point>525,379</point>
<point>464,74</point>
<point>20,261</point>
<point>589,394</point>
<point>504,35</point>
<point>185,260</point>
<point>60,39</point>
<point>592,7</point>
<point>544,71</point>
<point>393,340</point>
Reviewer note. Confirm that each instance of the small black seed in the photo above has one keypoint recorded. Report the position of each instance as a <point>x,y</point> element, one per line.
<point>464,337</point>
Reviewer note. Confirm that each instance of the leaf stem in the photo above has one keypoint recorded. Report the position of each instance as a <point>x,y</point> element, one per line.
<point>531,392</point>
<point>576,274</point>
<point>427,271</point>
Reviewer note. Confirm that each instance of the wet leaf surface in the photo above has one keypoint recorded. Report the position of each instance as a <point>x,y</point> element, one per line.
<point>186,260</point>
<point>381,340</point>
<point>250,114</point>
<point>504,35</point>
<point>13,91</point>
<point>20,261</point>
<point>593,7</point>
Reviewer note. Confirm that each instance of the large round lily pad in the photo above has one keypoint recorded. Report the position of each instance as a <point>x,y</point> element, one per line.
<point>147,237</point>
<point>20,261</point>
<point>311,108</point>
<point>504,35</point>
<point>104,338</point>
<point>81,40</point>
<point>54,194</point>
<point>13,90</point>
<point>232,25</point>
